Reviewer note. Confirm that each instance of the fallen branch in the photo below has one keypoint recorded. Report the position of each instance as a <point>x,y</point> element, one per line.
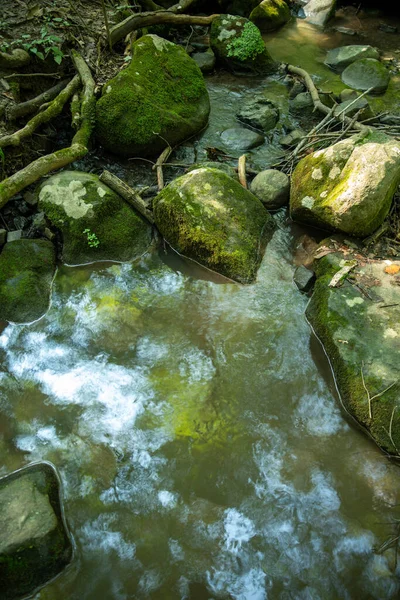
<point>31,106</point>
<point>242,171</point>
<point>127,193</point>
<point>159,165</point>
<point>52,111</point>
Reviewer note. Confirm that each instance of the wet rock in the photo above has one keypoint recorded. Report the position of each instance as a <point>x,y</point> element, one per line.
<point>297,88</point>
<point>3,237</point>
<point>362,340</point>
<point>160,96</point>
<point>272,187</point>
<point>238,44</point>
<point>304,251</point>
<point>207,216</point>
<point>318,12</point>
<point>292,138</point>
<point>259,113</point>
<point>20,222</point>
<point>30,198</point>
<point>95,222</point>
<point>301,103</point>
<point>270,15</point>
<point>366,74</point>
<point>34,542</point>
<point>352,106</point>
<point>241,139</point>
<point>304,279</point>
<point>13,236</point>
<point>26,274</point>
<point>347,187</point>
<point>340,58</point>
<point>205,60</point>
<point>224,167</point>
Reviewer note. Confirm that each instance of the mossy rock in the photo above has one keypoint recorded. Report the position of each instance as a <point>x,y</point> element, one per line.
<point>220,166</point>
<point>95,222</point>
<point>238,44</point>
<point>270,15</point>
<point>209,217</point>
<point>347,187</point>
<point>367,74</point>
<point>362,340</point>
<point>159,98</point>
<point>340,58</point>
<point>26,273</point>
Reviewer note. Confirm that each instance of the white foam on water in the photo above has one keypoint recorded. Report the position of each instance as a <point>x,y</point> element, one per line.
<point>238,530</point>
<point>102,533</point>
<point>319,415</point>
<point>247,586</point>
<point>167,499</point>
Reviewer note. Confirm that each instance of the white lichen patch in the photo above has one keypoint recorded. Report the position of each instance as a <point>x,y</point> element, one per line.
<point>323,194</point>
<point>70,198</point>
<point>317,174</point>
<point>160,43</point>
<point>108,89</point>
<point>101,192</point>
<point>308,202</point>
<point>226,34</point>
<point>390,333</point>
<point>354,301</point>
<point>334,172</point>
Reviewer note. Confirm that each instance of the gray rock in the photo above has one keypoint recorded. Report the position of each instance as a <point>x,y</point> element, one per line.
<point>304,279</point>
<point>241,139</point>
<point>259,113</point>
<point>318,12</point>
<point>34,542</point>
<point>205,60</point>
<point>365,74</point>
<point>301,103</point>
<point>340,58</point>
<point>3,237</point>
<point>352,106</point>
<point>30,198</point>
<point>272,187</point>
<point>292,138</point>
<point>13,236</point>
<point>297,88</point>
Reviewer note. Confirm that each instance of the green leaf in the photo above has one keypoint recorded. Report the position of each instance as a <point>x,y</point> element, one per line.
<point>40,55</point>
<point>58,59</point>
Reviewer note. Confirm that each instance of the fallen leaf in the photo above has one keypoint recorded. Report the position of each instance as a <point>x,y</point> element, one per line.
<point>392,269</point>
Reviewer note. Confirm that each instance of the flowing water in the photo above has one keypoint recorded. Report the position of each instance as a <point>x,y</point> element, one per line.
<point>198,435</point>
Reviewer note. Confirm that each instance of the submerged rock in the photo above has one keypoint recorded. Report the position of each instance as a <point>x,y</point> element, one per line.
<point>366,74</point>
<point>272,187</point>
<point>204,60</point>
<point>26,273</point>
<point>259,113</point>
<point>340,58</point>
<point>161,97</point>
<point>237,43</point>
<point>209,217</point>
<point>34,542</point>
<point>95,222</point>
<point>347,187</point>
<point>270,14</point>
<point>241,139</point>
<point>318,12</point>
<point>361,336</point>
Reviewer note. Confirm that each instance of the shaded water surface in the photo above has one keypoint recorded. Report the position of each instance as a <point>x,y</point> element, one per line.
<point>202,453</point>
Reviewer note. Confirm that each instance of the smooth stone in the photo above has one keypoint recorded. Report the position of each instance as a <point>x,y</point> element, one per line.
<point>318,12</point>
<point>366,74</point>
<point>259,113</point>
<point>292,138</point>
<point>241,139</point>
<point>304,278</point>
<point>205,60</point>
<point>340,58</point>
<point>272,187</point>
<point>302,102</point>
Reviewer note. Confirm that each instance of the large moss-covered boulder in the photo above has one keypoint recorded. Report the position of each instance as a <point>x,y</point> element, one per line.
<point>358,324</point>
<point>347,187</point>
<point>209,217</point>
<point>270,14</point>
<point>367,74</point>
<point>34,542</point>
<point>95,222</point>
<point>161,97</point>
<point>26,274</point>
<point>238,44</point>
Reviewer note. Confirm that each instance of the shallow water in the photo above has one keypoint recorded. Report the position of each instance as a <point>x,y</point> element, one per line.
<point>203,455</point>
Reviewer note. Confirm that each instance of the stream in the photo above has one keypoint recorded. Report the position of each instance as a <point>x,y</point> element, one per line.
<point>196,425</point>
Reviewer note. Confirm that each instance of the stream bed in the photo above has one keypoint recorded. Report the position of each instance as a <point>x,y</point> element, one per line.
<point>196,427</point>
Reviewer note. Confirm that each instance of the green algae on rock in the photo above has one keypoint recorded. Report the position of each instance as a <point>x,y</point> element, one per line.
<point>367,74</point>
<point>95,222</point>
<point>26,273</point>
<point>361,336</point>
<point>237,43</point>
<point>347,187</point>
<point>34,542</point>
<point>159,99</point>
<point>269,15</point>
<point>209,217</point>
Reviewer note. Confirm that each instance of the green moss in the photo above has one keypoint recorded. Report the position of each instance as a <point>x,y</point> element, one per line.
<point>247,45</point>
<point>161,94</point>
<point>270,14</point>
<point>209,217</point>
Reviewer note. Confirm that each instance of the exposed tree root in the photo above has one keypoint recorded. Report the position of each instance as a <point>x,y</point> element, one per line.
<point>31,106</point>
<point>128,194</point>
<point>159,165</point>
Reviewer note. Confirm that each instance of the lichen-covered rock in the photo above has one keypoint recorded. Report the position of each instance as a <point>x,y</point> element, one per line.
<point>260,113</point>
<point>270,14</point>
<point>362,340</point>
<point>237,43</point>
<point>272,187</point>
<point>209,217</point>
<point>347,187</point>
<point>340,58</point>
<point>34,542</point>
<point>26,273</point>
<point>318,12</point>
<point>95,222</point>
<point>367,74</point>
<point>161,97</point>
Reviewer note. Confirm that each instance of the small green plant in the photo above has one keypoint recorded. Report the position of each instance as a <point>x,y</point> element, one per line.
<point>41,47</point>
<point>248,45</point>
<point>92,239</point>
